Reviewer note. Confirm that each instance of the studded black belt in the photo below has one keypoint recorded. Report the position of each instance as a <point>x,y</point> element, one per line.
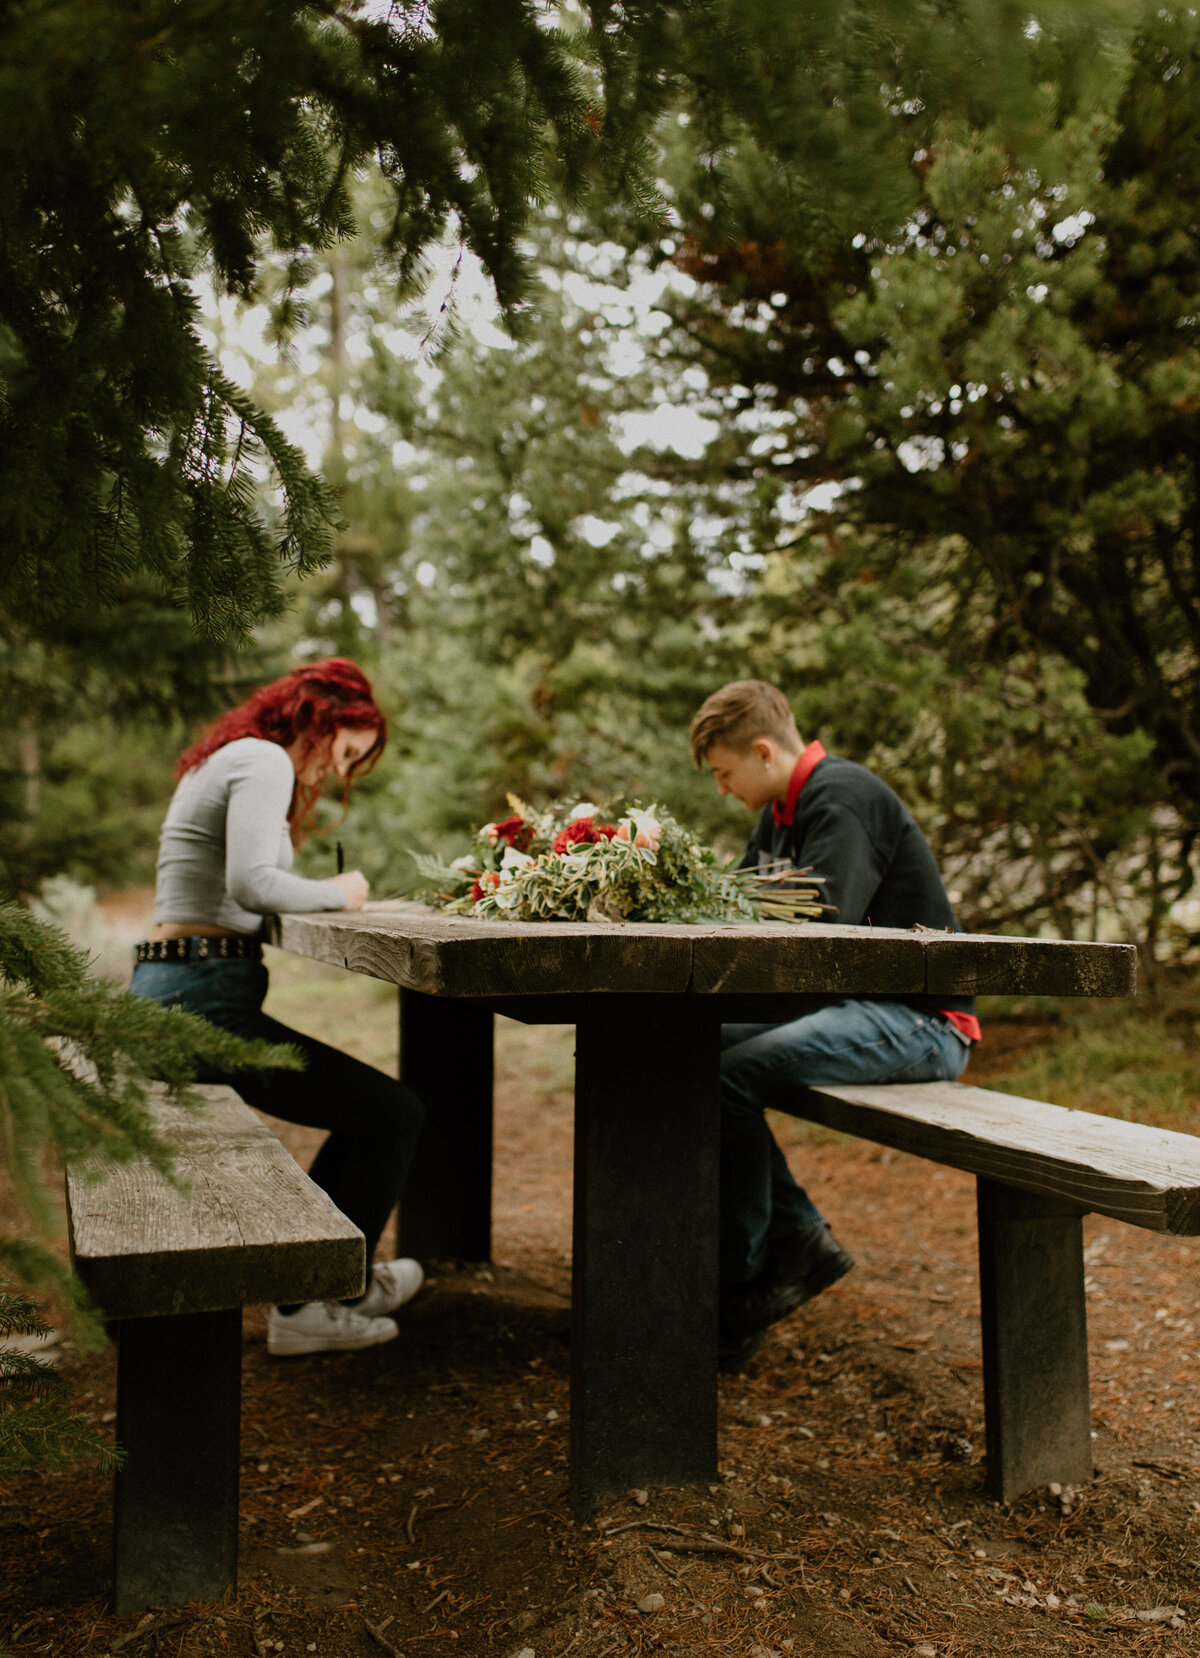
<point>200,947</point>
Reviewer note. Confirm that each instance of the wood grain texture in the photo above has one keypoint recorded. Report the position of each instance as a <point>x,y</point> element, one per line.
<point>450,955</point>
<point>817,958</point>
<point>250,1229</point>
<point>1149,1177</point>
<point>979,964</point>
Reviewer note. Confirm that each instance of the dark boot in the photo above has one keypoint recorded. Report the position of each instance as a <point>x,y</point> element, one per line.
<point>798,1268</point>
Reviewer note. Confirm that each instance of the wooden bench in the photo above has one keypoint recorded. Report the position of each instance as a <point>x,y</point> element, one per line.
<point>173,1269</point>
<point>1039,1169</point>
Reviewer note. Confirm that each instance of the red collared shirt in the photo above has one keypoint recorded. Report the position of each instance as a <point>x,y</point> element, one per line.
<point>801,772</point>
<point>785,816</point>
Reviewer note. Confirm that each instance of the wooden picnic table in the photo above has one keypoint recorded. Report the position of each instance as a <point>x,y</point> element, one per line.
<point>647,1002</point>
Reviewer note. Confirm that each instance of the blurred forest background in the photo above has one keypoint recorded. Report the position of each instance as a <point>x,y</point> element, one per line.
<point>876,377</point>
<point>560,360</point>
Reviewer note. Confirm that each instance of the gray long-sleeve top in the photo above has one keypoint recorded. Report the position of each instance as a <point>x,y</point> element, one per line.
<point>225,854</point>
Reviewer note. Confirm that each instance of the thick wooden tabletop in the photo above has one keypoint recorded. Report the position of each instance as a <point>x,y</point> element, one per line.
<point>450,955</point>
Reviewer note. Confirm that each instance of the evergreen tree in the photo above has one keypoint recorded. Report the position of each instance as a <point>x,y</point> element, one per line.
<point>559,601</point>
<point>992,399</point>
<point>544,594</point>
<point>38,1425</point>
<point>151,146</point>
<point>147,145</point>
<point>154,148</point>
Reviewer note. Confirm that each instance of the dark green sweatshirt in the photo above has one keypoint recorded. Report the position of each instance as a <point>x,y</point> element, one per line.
<point>849,827</point>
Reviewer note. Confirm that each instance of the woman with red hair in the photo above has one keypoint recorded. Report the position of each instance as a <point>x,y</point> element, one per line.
<point>246,796</point>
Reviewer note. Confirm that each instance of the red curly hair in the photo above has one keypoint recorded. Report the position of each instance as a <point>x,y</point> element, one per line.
<point>312,703</point>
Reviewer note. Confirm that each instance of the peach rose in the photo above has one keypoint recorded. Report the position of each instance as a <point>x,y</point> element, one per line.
<point>644,830</point>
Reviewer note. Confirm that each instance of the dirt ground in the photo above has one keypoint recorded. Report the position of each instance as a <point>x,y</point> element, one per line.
<point>412,1499</point>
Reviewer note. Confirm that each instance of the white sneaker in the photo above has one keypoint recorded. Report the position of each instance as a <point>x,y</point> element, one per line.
<point>392,1284</point>
<point>325,1327</point>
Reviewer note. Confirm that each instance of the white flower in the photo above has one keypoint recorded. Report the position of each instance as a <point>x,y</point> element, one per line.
<point>642,829</point>
<point>468,865</point>
<point>513,860</point>
<point>585,808</point>
<point>489,832</point>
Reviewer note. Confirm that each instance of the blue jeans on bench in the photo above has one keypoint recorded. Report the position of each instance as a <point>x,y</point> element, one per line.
<point>764,1066</point>
<point>373,1120</point>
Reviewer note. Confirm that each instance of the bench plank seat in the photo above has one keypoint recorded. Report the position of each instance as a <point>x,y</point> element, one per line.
<point>1149,1177</point>
<point>1039,1169</point>
<point>250,1228</point>
<point>173,1269</point>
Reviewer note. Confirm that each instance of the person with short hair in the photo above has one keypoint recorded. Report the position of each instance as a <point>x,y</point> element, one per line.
<point>837,819</point>
<point>246,796</point>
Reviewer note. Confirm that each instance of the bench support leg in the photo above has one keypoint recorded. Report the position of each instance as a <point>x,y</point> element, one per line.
<point>446,1056</point>
<point>644,1319</point>
<point>1035,1366</point>
<point>179,1391</point>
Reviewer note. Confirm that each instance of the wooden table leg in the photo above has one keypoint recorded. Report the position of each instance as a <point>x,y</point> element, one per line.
<point>1035,1365</point>
<point>644,1325</point>
<point>446,1056</point>
<point>179,1394</point>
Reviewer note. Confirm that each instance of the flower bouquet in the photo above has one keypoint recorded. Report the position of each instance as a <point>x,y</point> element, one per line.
<point>633,863</point>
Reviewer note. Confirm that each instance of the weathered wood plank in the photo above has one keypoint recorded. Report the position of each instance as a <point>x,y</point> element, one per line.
<point>458,956</point>
<point>977,964</point>
<point>250,1229</point>
<point>1149,1177</point>
<point>446,955</point>
<point>817,958</point>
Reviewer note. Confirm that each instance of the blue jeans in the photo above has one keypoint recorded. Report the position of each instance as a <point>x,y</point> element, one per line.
<point>374,1121</point>
<point>764,1066</point>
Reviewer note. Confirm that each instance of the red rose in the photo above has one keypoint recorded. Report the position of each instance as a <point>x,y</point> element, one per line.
<point>516,832</point>
<point>584,831</point>
<point>486,883</point>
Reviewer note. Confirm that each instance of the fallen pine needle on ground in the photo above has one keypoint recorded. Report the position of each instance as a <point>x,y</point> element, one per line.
<point>413,1498</point>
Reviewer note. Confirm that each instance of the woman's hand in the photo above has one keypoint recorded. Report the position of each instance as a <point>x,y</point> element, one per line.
<point>356,887</point>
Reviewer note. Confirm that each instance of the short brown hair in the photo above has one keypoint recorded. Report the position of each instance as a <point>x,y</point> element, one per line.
<point>738,713</point>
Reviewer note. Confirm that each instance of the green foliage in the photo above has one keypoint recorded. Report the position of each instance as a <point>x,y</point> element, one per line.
<point>151,148</point>
<point>822,105</point>
<point>837,177</point>
<point>147,146</point>
<point>992,595</point>
<point>153,513</point>
<point>1035,811</point>
<point>75,1055</point>
<point>38,1427</point>
<point>1133,1060</point>
<point>101,792</point>
<point>614,862</point>
<point>562,601</point>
